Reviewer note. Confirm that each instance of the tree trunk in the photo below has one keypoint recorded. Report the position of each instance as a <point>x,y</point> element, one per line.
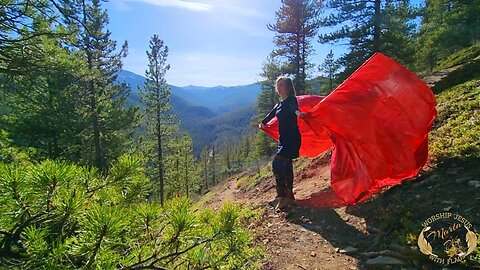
<point>99,156</point>
<point>206,170</point>
<point>376,27</point>
<point>213,164</point>
<point>99,159</point>
<point>331,83</point>
<point>297,65</point>
<point>160,157</point>
<point>186,171</point>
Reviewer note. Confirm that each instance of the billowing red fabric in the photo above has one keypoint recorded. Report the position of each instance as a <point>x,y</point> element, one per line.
<point>378,122</point>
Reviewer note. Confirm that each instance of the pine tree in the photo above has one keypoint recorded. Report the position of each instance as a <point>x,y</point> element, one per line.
<point>155,96</point>
<point>366,27</point>
<point>22,24</point>
<point>213,153</point>
<point>108,125</point>
<point>263,145</point>
<point>447,26</point>
<point>180,169</point>
<point>268,97</point>
<point>41,98</point>
<point>399,28</point>
<point>189,166</point>
<point>296,24</point>
<point>204,158</point>
<point>330,68</point>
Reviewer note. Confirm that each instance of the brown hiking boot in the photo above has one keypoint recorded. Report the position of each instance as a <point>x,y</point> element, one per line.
<point>290,195</point>
<point>284,203</point>
<point>273,203</point>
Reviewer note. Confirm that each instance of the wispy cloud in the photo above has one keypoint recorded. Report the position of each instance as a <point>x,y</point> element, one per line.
<point>190,5</point>
<point>203,69</point>
<point>244,11</point>
<point>208,69</point>
<point>240,16</point>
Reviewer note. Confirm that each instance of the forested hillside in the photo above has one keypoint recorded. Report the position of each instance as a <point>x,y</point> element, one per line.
<point>207,114</point>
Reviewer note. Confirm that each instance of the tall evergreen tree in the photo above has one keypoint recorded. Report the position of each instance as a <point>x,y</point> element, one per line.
<point>155,96</point>
<point>330,68</point>
<point>39,81</point>
<point>213,160</point>
<point>367,27</point>
<point>108,124</point>
<point>180,169</point>
<point>204,160</point>
<point>42,111</point>
<point>22,23</point>
<point>267,98</point>
<point>447,26</point>
<point>399,31</point>
<point>296,24</point>
<point>189,167</point>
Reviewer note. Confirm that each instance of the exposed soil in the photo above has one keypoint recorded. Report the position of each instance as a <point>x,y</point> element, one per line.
<point>320,232</point>
<point>302,236</point>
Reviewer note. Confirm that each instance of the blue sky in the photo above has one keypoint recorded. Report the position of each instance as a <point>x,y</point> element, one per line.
<point>211,42</point>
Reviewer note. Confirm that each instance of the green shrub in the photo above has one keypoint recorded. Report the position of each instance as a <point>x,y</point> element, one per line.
<point>456,130</point>
<point>61,216</point>
<point>461,57</point>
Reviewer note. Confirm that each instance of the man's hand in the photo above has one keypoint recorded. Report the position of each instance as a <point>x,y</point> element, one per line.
<point>261,126</point>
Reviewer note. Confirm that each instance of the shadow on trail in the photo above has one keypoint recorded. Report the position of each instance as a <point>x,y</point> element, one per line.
<point>325,198</point>
<point>398,213</point>
<point>317,215</point>
<point>395,216</point>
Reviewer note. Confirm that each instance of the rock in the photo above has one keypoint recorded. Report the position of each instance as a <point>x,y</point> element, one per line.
<point>313,254</point>
<point>383,261</point>
<point>305,219</point>
<point>314,228</point>
<point>462,179</point>
<point>452,172</point>
<point>348,250</point>
<point>475,184</point>
<point>372,229</point>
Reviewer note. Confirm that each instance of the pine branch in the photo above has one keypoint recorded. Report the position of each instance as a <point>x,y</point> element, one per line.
<point>34,35</point>
<point>97,247</point>
<point>224,257</point>
<point>7,233</point>
<point>138,266</point>
<point>13,237</point>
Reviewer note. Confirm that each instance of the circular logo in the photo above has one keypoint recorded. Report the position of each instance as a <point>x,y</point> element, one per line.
<point>447,238</point>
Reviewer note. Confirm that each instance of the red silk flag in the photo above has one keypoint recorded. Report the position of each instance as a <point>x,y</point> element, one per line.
<point>377,121</point>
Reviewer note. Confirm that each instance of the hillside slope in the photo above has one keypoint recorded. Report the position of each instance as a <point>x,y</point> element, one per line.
<point>382,233</point>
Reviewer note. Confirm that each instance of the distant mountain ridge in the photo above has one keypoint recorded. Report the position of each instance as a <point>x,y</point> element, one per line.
<point>206,113</point>
<point>219,99</point>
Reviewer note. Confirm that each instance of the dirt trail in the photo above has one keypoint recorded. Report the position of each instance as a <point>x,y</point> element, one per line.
<point>317,233</point>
